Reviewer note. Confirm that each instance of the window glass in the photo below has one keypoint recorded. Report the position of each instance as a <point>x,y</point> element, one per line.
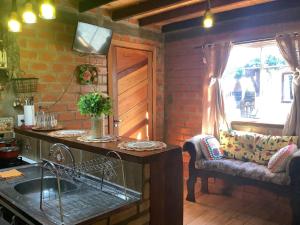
<point>257,84</point>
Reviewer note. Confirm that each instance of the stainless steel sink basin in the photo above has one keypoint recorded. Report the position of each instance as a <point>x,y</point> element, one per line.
<point>82,197</point>
<point>33,187</point>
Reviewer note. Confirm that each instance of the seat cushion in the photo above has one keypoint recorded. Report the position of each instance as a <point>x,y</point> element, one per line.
<point>244,169</point>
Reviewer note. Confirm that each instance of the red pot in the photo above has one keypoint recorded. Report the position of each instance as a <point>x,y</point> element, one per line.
<point>9,152</point>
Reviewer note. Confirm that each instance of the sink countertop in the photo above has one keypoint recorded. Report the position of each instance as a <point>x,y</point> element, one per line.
<point>77,210</point>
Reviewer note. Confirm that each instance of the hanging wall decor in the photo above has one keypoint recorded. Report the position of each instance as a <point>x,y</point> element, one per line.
<point>86,74</point>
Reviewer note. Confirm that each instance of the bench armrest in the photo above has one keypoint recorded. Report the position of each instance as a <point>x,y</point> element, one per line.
<point>293,169</point>
<point>193,147</point>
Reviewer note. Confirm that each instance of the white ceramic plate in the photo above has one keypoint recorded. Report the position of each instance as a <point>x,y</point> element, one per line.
<point>141,144</point>
<point>103,138</point>
<point>70,132</point>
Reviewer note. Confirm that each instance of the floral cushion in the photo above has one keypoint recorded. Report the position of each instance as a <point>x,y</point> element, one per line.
<point>237,145</point>
<point>244,169</point>
<point>279,160</point>
<point>266,146</point>
<point>273,143</point>
<point>211,148</point>
<point>253,147</point>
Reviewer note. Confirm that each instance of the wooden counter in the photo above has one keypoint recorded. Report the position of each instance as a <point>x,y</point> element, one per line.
<point>166,173</point>
<point>101,148</point>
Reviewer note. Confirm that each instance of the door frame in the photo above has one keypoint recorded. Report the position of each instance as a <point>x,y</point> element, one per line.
<point>112,73</point>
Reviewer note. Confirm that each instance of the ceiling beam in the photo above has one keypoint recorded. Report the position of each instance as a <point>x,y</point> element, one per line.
<point>142,8</point>
<point>283,16</point>
<point>235,15</point>
<point>85,5</point>
<point>196,9</point>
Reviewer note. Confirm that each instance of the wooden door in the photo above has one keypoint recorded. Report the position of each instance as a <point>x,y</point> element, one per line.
<point>132,87</point>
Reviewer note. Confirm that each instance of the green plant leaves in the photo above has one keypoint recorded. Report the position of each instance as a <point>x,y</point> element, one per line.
<point>94,104</point>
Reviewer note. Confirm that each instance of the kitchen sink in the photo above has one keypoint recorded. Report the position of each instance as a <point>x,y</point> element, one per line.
<point>83,198</point>
<point>32,188</point>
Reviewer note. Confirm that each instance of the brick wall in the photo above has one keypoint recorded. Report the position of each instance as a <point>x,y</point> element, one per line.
<point>46,53</point>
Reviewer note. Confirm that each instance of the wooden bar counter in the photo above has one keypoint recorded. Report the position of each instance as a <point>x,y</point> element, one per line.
<point>166,174</point>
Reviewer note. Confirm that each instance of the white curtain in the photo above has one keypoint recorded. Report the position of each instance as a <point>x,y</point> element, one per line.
<point>289,45</point>
<point>213,116</point>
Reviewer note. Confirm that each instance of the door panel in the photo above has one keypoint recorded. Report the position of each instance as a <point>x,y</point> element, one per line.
<point>133,92</point>
<point>132,80</point>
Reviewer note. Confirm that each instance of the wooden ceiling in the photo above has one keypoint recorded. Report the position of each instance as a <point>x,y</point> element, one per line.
<point>173,15</point>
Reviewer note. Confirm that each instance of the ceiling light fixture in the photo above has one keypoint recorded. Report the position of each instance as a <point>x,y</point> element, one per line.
<point>208,18</point>
<point>47,10</point>
<point>28,14</point>
<point>14,24</point>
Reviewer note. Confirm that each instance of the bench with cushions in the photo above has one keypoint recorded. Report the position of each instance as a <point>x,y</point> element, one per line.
<point>245,158</point>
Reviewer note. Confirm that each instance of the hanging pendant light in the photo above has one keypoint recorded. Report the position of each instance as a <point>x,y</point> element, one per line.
<point>14,24</point>
<point>47,10</point>
<point>208,18</point>
<point>28,14</point>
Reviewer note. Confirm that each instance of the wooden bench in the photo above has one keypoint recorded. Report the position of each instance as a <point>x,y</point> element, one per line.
<point>292,190</point>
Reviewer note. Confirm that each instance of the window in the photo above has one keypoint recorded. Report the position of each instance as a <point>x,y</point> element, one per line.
<point>257,84</point>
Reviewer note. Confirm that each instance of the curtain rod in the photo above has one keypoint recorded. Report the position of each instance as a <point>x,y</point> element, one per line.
<point>238,42</point>
<point>246,41</point>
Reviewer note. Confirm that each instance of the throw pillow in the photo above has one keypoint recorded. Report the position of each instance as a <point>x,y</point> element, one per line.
<point>263,157</point>
<point>237,145</point>
<point>211,148</point>
<point>279,160</point>
<point>273,143</point>
<point>266,146</point>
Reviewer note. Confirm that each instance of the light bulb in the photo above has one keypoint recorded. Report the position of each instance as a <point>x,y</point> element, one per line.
<point>28,15</point>
<point>208,19</point>
<point>47,10</point>
<point>14,25</point>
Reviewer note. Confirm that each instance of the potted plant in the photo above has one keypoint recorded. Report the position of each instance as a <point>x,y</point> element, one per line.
<point>97,106</point>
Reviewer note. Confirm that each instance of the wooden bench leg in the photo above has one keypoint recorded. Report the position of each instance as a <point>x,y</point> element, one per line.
<point>295,203</point>
<point>191,188</point>
<point>204,185</point>
<point>227,189</point>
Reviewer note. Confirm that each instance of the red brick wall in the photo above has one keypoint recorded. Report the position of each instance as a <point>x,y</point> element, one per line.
<point>46,53</point>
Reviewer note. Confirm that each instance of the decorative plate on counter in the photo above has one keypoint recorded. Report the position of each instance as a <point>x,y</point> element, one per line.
<point>106,138</point>
<point>68,133</point>
<point>142,145</point>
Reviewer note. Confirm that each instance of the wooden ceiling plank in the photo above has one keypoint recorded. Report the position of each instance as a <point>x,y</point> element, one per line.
<point>142,8</point>
<point>198,9</point>
<point>85,5</point>
<point>236,14</point>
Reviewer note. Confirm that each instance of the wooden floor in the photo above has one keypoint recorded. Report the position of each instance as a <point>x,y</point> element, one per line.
<point>222,210</point>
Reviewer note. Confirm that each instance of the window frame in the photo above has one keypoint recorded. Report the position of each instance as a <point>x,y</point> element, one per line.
<point>258,122</point>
